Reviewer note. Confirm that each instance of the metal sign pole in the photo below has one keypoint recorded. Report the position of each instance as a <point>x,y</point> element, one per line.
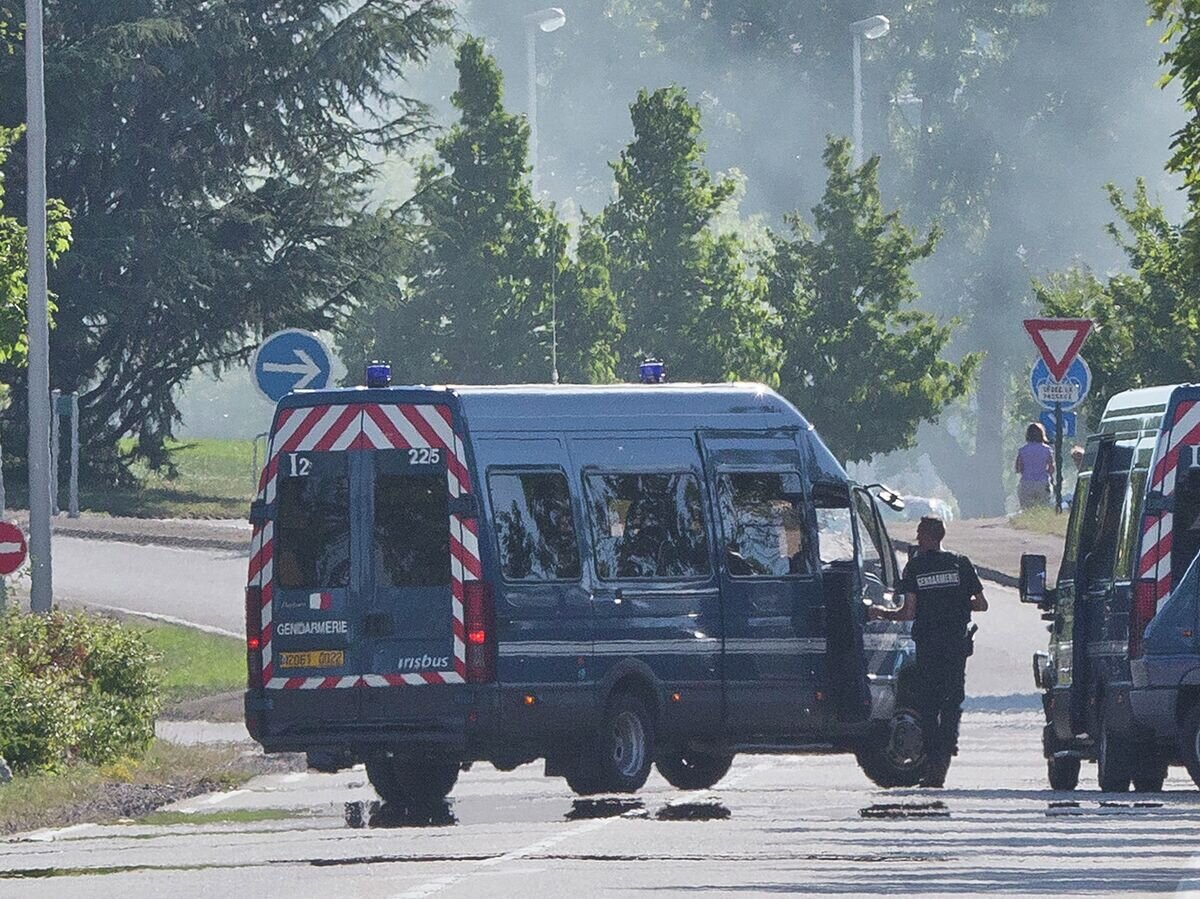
<point>1058,435</point>
<point>41,591</point>
<point>3,495</point>
<point>55,444</point>
<point>73,508</point>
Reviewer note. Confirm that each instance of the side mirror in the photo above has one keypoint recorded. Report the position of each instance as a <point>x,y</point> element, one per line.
<point>1033,579</point>
<point>258,513</point>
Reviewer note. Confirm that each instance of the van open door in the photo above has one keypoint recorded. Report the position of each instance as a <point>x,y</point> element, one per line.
<point>845,614</point>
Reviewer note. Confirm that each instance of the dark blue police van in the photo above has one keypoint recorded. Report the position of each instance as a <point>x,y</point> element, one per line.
<point>604,577</point>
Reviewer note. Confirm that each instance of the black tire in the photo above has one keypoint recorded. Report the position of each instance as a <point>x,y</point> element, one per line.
<point>1189,742</point>
<point>688,770</point>
<point>1063,773</point>
<point>407,781</point>
<point>1150,773</point>
<point>622,750</point>
<point>894,753</point>
<point>1115,760</point>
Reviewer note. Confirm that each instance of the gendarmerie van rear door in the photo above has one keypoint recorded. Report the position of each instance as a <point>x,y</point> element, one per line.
<point>362,563</point>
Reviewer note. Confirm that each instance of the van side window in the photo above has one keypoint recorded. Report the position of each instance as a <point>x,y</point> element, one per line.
<point>1131,532</point>
<point>869,538</point>
<point>762,525</point>
<point>532,512</point>
<point>648,526</point>
<point>835,526</point>
<point>412,524</point>
<point>1075,525</point>
<point>313,521</point>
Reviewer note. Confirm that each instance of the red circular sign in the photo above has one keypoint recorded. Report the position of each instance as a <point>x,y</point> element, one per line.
<point>12,548</point>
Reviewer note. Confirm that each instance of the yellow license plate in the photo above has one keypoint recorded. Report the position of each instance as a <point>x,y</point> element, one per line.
<point>314,658</point>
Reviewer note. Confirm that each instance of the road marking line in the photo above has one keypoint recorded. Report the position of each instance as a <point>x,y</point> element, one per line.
<point>449,880</point>
<point>441,883</point>
<point>167,619</point>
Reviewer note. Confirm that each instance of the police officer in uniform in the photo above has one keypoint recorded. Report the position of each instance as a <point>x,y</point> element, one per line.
<point>941,590</point>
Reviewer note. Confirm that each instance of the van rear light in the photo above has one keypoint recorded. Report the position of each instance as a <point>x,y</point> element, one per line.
<point>1144,607</point>
<point>254,637</point>
<point>479,612</point>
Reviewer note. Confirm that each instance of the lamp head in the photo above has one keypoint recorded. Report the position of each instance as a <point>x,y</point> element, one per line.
<point>550,19</point>
<point>872,27</point>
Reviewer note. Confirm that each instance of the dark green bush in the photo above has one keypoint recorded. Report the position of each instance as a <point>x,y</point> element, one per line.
<point>73,686</point>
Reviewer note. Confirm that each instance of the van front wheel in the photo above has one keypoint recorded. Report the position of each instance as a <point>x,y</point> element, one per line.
<point>1189,742</point>
<point>1114,760</point>
<point>408,781</point>
<point>687,770</point>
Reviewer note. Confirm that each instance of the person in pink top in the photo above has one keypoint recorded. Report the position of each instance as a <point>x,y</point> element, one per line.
<point>1035,465</point>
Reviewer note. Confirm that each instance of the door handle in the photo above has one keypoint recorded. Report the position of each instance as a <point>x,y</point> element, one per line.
<point>378,624</point>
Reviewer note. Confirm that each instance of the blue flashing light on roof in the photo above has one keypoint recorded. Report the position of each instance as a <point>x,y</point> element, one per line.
<point>652,371</point>
<point>379,374</point>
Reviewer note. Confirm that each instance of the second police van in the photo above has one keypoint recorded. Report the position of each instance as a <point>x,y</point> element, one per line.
<point>1121,677</point>
<point>602,577</point>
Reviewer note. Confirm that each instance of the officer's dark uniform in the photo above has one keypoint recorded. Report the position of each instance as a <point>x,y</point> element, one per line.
<point>944,584</point>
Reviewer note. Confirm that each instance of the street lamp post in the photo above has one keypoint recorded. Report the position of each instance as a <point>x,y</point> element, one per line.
<point>550,19</point>
<point>41,592</point>
<point>870,28</point>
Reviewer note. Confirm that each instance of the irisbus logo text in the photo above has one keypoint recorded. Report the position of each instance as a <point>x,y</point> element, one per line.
<point>424,663</point>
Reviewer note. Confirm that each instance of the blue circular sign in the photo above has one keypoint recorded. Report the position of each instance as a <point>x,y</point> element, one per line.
<point>1070,391</point>
<point>291,360</point>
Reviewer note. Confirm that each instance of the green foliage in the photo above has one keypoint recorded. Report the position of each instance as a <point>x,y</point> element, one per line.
<point>684,290</point>
<point>217,160</point>
<point>1182,59</point>
<point>863,364</point>
<point>1147,322</point>
<point>14,260</point>
<point>475,303</point>
<point>73,687</point>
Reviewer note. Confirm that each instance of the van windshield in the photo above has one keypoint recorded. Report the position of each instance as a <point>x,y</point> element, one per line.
<point>313,522</point>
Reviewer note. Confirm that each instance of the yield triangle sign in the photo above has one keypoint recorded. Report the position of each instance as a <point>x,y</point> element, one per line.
<point>1058,340</point>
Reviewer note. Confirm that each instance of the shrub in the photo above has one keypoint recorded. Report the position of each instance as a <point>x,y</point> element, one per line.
<point>73,686</point>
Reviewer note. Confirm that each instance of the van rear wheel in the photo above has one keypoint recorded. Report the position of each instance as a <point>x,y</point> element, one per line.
<point>408,781</point>
<point>688,770</point>
<point>619,759</point>
<point>1150,773</point>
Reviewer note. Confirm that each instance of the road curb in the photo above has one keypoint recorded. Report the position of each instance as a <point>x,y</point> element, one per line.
<point>143,539</point>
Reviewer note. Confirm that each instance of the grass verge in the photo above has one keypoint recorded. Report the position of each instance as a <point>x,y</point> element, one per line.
<point>194,664</point>
<point>1042,521</point>
<point>214,479</point>
<point>128,788</point>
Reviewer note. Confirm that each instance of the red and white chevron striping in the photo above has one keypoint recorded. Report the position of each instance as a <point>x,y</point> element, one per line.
<point>1154,563</point>
<point>361,426</point>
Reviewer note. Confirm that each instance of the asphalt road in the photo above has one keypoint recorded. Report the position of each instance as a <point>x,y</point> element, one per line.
<point>775,825</point>
<point>810,825</point>
<point>207,587</point>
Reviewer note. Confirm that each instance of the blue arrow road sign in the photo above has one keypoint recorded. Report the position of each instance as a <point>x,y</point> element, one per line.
<point>1070,391</point>
<point>291,360</point>
<point>1047,419</point>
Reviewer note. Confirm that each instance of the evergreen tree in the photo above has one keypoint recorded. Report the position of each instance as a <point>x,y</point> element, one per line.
<point>475,302</point>
<point>684,290</point>
<point>217,161</point>
<point>864,365</point>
